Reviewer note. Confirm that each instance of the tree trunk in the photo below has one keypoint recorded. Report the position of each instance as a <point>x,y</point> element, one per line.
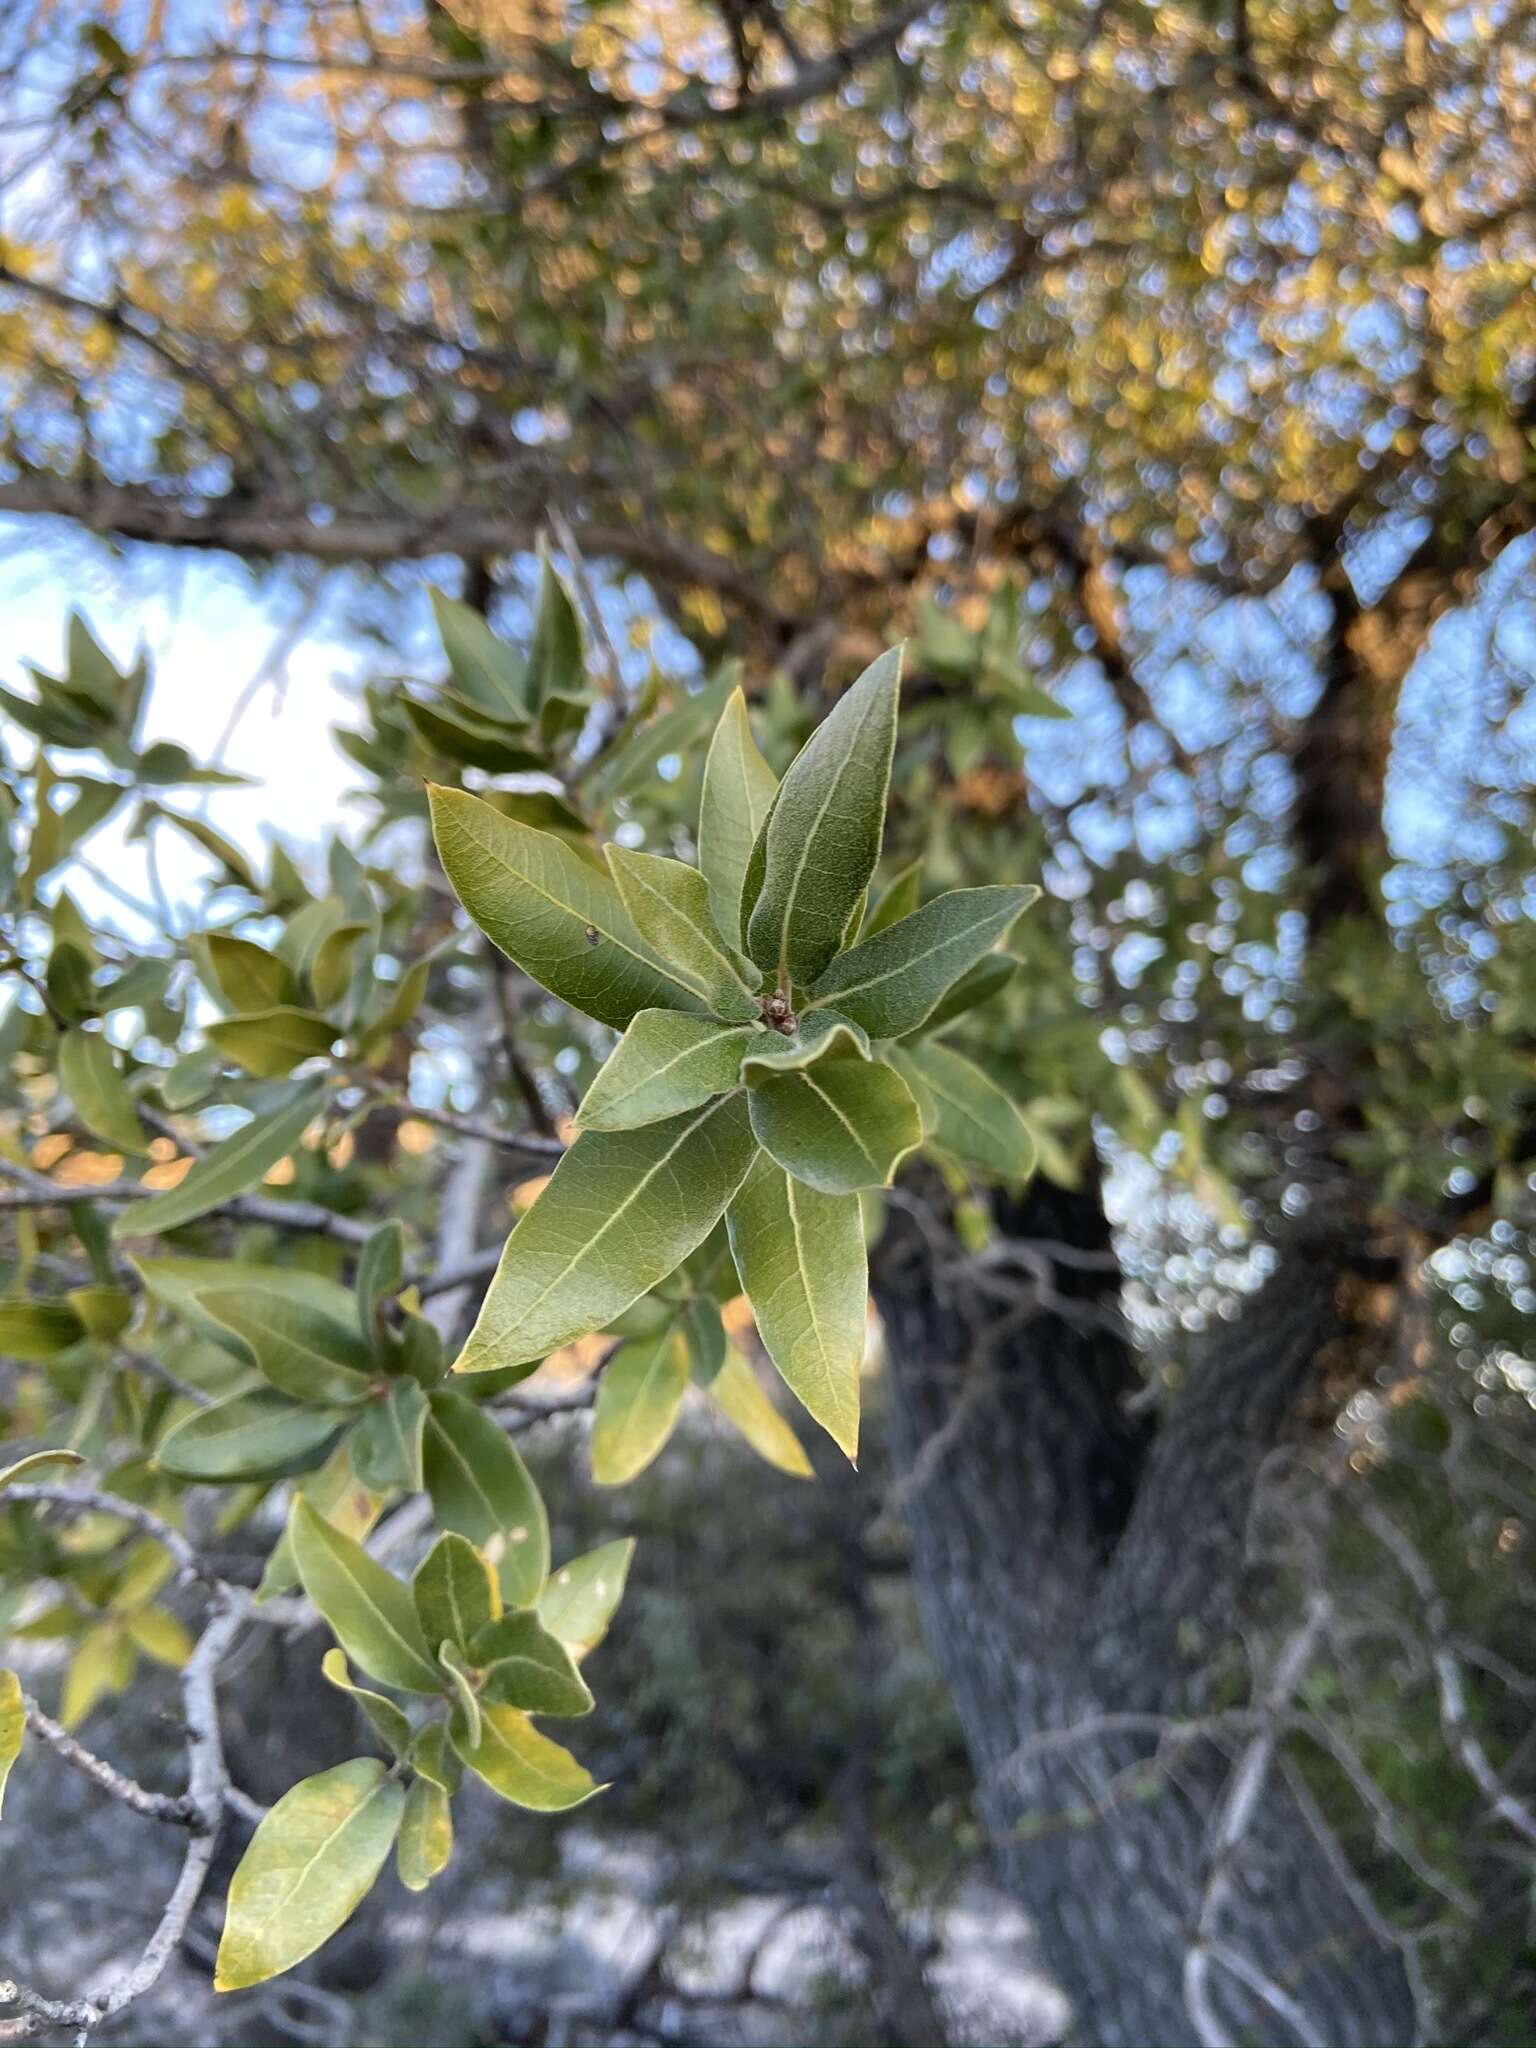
<point>1081,1578</point>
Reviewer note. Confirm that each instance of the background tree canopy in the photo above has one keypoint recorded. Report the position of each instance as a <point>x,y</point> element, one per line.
<point>1163,377</point>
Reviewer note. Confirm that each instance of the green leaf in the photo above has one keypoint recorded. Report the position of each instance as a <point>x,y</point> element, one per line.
<point>550,912</point>
<point>105,1311</point>
<point>228,1170</point>
<point>35,1462</point>
<point>739,789</point>
<point>664,1064</point>
<point>13,1725</point>
<point>455,1592</point>
<point>37,1329</point>
<point>669,903</point>
<point>248,977</point>
<point>310,1864</point>
<point>181,1283</point>
<point>387,1721</point>
<point>704,1336</point>
<point>71,991</point>
<point>398,1011</point>
<point>621,1210</point>
<point>271,1043</point>
<point>417,1349</point>
<point>635,758</point>
<point>803,1265</point>
<point>839,1125</point>
<point>371,1614</point>
<point>973,1119</point>
<point>426,1835</point>
<point>638,1398</point>
<point>891,983</point>
<point>486,669</point>
<point>224,851</point>
<point>823,839</point>
<point>579,1600</point>
<point>944,645</point>
<point>387,1437</point>
<point>738,1393</point>
<point>991,974</point>
<point>451,1658</point>
<point>522,1765</point>
<point>303,1353</point>
<point>817,1034</point>
<point>380,1275</point>
<point>525,1666</point>
<point>334,1491</point>
<point>898,901</point>
<point>335,962</point>
<point>481,1489</point>
<point>262,1435</point>
<point>191,1078</point>
<point>89,1074</point>
<point>307,931</point>
<point>451,731</point>
<point>556,668</point>
<point>432,1755</point>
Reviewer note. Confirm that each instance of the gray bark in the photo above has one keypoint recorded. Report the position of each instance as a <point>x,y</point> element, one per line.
<point>1081,1579</point>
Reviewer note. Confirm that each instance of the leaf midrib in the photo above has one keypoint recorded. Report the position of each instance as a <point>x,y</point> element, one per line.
<point>374,1791</point>
<point>792,895</point>
<point>700,1045</point>
<point>391,1629</point>
<point>859,988</point>
<point>711,1108</point>
<point>704,933</point>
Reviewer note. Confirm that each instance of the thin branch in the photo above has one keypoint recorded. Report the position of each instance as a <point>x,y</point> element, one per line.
<point>207,1787</point>
<point>175,1807</point>
<point>1454,1717</point>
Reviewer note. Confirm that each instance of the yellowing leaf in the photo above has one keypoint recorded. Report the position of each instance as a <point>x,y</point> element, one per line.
<point>426,1835</point>
<point>738,1394</point>
<point>522,1765</point>
<point>638,1398</point>
<point>13,1725</point>
<point>310,1863</point>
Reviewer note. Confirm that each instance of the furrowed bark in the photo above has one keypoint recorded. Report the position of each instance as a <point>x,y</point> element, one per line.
<point>1084,1581</point>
